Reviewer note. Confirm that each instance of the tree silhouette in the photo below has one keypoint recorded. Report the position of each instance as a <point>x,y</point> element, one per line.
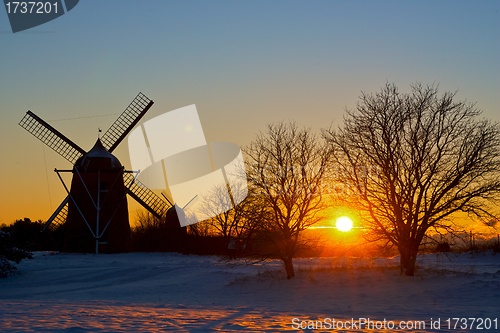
<point>238,224</point>
<point>286,166</point>
<point>10,252</point>
<point>412,161</point>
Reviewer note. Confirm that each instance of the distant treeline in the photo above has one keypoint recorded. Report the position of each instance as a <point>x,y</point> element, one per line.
<point>151,235</point>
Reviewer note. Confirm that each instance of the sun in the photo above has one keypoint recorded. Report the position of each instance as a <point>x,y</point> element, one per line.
<point>344,223</point>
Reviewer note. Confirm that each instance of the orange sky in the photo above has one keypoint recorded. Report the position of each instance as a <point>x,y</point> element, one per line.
<point>244,65</point>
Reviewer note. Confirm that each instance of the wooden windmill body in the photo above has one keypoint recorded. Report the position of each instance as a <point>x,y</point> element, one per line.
<point>94,215</point>
<point>99,205</point>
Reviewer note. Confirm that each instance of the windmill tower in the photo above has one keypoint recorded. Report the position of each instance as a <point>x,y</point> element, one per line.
<point>95,211</point>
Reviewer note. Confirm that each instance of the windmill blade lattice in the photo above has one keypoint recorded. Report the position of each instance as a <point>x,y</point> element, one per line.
<point>126,121</point>
<point>59,216</point>
<point>51,137</point>
<point>146,197</point>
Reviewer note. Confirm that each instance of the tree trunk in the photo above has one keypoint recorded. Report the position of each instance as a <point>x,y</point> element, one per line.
<point>410,265</point>
<point>290,272</point>
<point>402,260</point>
<point>408,259</point>
<point>288,253</point>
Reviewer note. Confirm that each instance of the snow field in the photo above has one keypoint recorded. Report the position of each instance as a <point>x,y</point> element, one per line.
<point>154,292</point>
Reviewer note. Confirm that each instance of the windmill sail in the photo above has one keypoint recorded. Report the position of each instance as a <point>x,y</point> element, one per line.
<point>115,135</point>
<point>146,197</point>
<point>51,137</point>
<point>59,216</point>
<point>126,122</point>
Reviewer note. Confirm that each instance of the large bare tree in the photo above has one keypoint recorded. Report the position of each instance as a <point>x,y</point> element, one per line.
<point>287,165</point>
<point>411,161</point>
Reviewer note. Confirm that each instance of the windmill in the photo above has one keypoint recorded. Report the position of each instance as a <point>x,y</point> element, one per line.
<point>95,211</point>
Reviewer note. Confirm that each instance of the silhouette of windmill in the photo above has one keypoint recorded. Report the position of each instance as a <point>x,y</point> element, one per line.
<point>95,211</point>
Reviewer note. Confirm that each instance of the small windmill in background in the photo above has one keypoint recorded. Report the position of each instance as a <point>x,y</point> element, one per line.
<point>95,211</point>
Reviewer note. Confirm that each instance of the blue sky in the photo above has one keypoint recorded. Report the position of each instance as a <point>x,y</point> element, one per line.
<point>244,64</point>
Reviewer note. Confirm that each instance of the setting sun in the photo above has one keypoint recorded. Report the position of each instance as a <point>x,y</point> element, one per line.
<point>344,224</point>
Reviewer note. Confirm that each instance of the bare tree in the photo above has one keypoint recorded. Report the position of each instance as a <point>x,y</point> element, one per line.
<point>145,220</point>
<point>237,224</point>
<point>412,161</point>
<point>286,165</point>
<point>225,223</point>
<point>200,229</point>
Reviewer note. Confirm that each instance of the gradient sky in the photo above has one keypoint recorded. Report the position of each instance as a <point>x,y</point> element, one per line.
<point>244,64</point>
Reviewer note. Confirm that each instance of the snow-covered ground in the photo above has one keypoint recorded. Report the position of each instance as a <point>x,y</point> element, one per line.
<point>150,292</point>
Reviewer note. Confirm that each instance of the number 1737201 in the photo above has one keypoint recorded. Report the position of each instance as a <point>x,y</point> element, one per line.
<point>32,7</point>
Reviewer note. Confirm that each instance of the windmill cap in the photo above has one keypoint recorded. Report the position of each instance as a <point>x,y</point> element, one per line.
<point>98,157</point>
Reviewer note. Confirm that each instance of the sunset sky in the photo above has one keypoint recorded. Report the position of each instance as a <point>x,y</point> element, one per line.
<point>244,64</point>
